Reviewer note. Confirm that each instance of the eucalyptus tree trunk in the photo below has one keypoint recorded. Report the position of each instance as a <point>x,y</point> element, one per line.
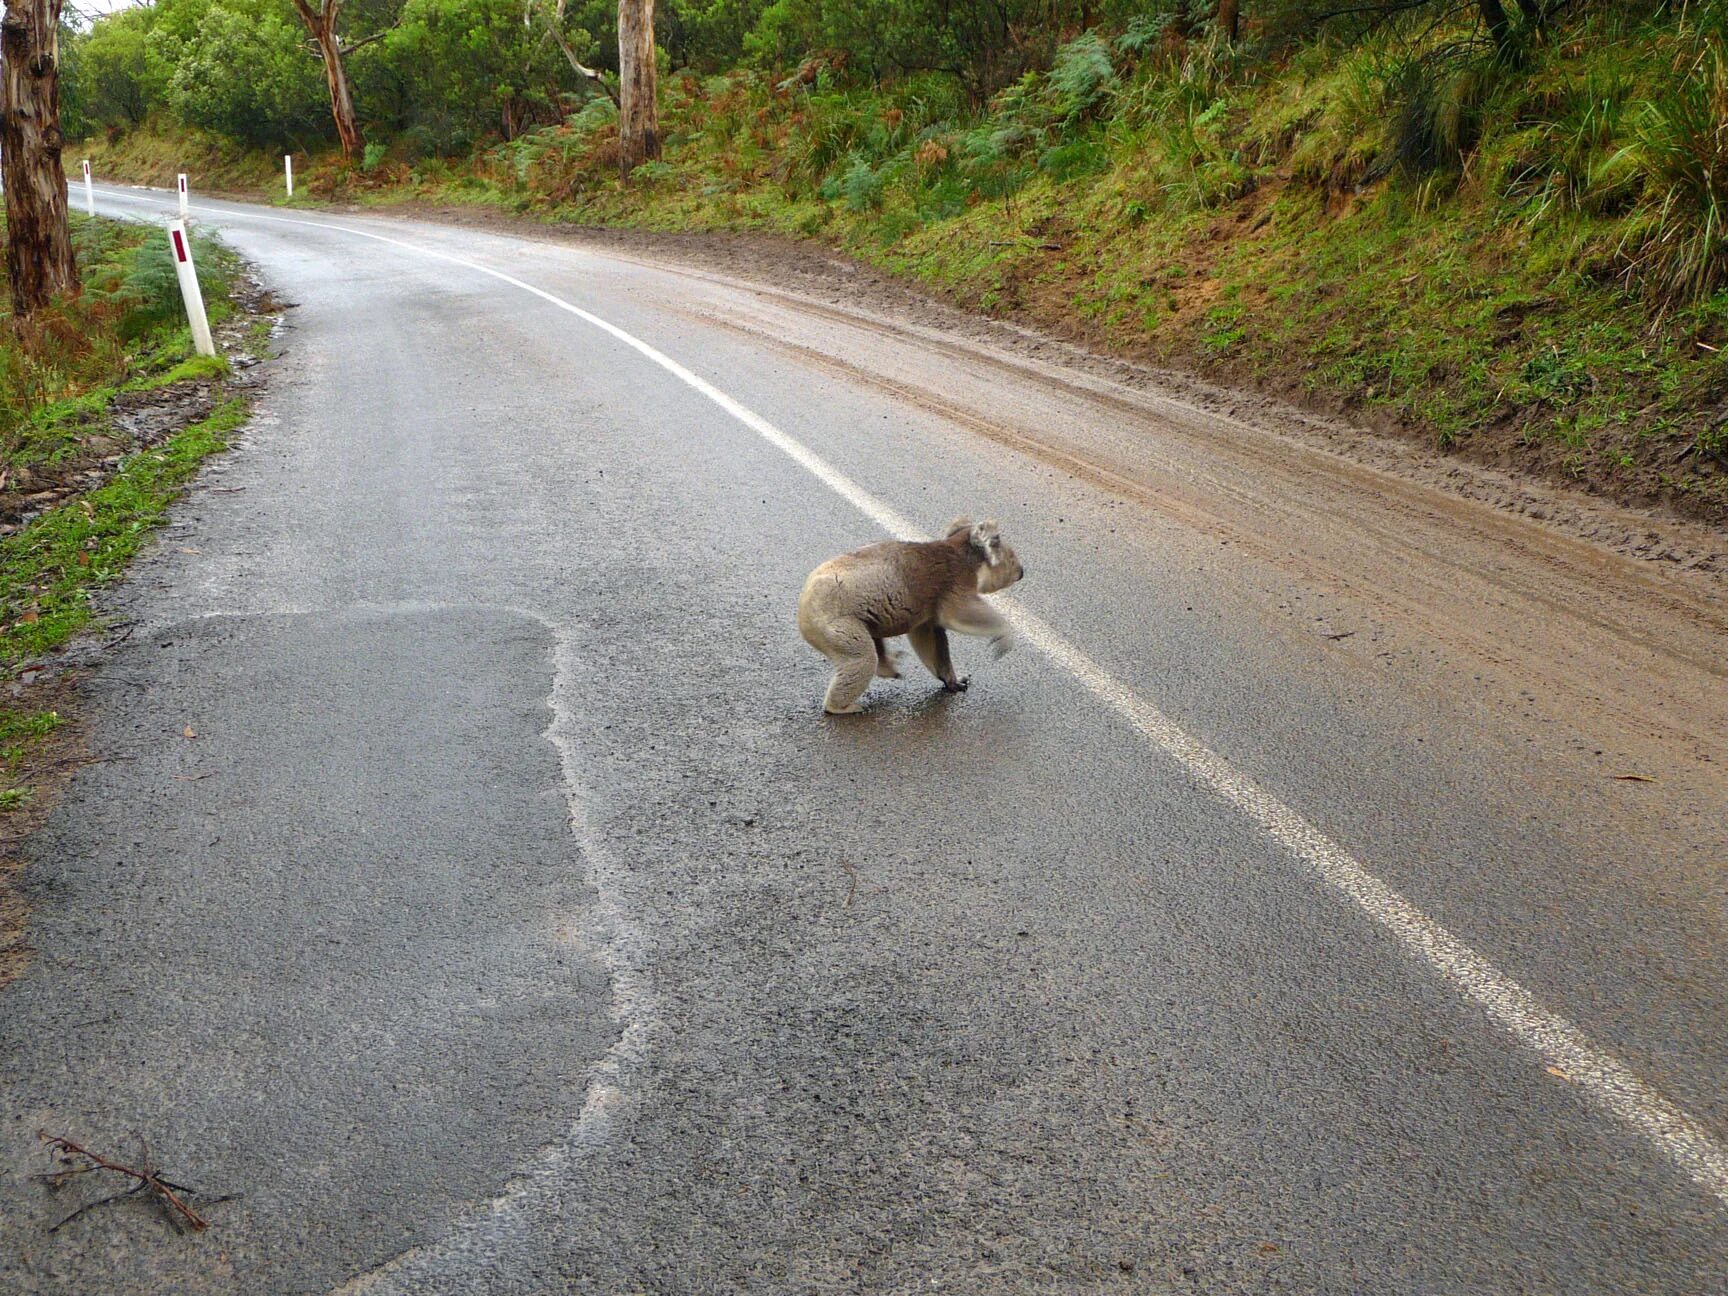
<point>638,113</point>
<point>1230,18</point>
<point>39,261</point>
<point>321,23</point>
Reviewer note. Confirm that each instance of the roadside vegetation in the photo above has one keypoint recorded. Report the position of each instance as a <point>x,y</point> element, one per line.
<point>1500,228</point>
<point>105,412</point>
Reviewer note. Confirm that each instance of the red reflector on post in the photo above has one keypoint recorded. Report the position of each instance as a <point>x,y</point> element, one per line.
<point>179,246</point>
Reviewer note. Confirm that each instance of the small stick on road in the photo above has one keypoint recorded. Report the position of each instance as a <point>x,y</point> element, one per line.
<point>76,1160</point>
<point>852,874</point>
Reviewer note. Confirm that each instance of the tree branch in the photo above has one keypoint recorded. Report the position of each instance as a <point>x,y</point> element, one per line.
<point>346,50</point>
<point>165,1189</point>
<point>555,29</point>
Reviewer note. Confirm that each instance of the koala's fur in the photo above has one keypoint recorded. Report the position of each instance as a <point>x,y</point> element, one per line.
<point>922,590</point>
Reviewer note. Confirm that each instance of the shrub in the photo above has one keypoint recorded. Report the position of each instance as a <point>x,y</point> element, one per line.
<point>861,186</point>
<point>1080,77</point>
<point>1678,161</point>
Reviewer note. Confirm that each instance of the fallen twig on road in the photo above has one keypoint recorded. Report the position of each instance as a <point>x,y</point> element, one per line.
<point>66,761</point>
<point>76,1160</point>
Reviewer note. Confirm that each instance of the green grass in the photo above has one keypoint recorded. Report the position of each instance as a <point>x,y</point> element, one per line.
<point>213,163</point>
<point>124,332</point>
<point>1528,265</point>
<point>16,723</point>
<point>49,569</point>
<point>123,335</point>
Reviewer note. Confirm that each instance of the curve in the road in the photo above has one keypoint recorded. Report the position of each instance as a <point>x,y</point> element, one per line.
<point>1559,1044</point>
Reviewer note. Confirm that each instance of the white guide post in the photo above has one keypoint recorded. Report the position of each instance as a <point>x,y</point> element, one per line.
<point>181,249</point>
<point>288,170</point>
<point>185,198</point>
<point>89,190</point>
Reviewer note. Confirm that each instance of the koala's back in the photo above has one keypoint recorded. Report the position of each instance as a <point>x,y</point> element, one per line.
<point>891,586</point>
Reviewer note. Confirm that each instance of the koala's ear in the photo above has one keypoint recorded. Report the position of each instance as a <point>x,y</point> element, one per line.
<point>987,540</point>
<point>961,523</point>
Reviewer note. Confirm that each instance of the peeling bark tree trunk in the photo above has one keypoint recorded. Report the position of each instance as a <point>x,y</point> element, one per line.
<point>1230,18</point>
<point>39,261</point>
<point>321,23</point>
<point>638,113</point>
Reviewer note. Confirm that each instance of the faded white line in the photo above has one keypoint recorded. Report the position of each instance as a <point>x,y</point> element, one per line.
<point>1609,1082</point>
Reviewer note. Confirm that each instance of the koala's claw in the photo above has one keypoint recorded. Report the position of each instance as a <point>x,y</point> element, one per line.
<point>955,685</point>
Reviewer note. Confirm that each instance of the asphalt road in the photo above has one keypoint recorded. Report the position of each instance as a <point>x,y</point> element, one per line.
<point>1273,921</point>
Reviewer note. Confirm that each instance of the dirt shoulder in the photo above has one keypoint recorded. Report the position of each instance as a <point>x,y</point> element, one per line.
<point>70,525</point>
<point>834,281</point>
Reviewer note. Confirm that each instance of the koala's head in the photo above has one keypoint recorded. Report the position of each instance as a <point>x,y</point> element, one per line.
<point>1001,566</point>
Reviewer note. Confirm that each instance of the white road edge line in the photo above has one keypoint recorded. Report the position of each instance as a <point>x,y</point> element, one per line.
<point>1610,1083</point>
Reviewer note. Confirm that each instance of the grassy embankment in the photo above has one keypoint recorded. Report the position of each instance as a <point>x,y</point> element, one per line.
<point>79,493</point>
<point>1521,265</point>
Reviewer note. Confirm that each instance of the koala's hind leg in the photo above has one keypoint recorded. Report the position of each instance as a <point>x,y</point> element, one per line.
<point>886,666</point>
<point>853,653</point>
<point>930,642</point>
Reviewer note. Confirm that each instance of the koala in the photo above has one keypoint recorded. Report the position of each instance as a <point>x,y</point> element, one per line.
<point>922,590</point>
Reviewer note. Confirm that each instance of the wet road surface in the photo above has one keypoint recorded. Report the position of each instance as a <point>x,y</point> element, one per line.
<point>1273,920</point>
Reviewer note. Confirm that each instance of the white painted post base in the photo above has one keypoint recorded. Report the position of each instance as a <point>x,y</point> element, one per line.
<point>180,247</point>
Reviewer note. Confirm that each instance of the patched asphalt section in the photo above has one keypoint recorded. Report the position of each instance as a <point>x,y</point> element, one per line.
<point>977,994</point>
<point>342,1004</point>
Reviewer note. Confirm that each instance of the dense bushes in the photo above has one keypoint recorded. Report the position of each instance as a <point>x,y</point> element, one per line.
<point>921,107</point>
<point>1515,242</point>
<point>442,75</point>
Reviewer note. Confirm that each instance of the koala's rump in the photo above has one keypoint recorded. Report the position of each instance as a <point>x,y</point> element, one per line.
<point>885,586</point>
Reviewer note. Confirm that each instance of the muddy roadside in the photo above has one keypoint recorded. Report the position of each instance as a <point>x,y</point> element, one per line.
<point>836,282</point>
